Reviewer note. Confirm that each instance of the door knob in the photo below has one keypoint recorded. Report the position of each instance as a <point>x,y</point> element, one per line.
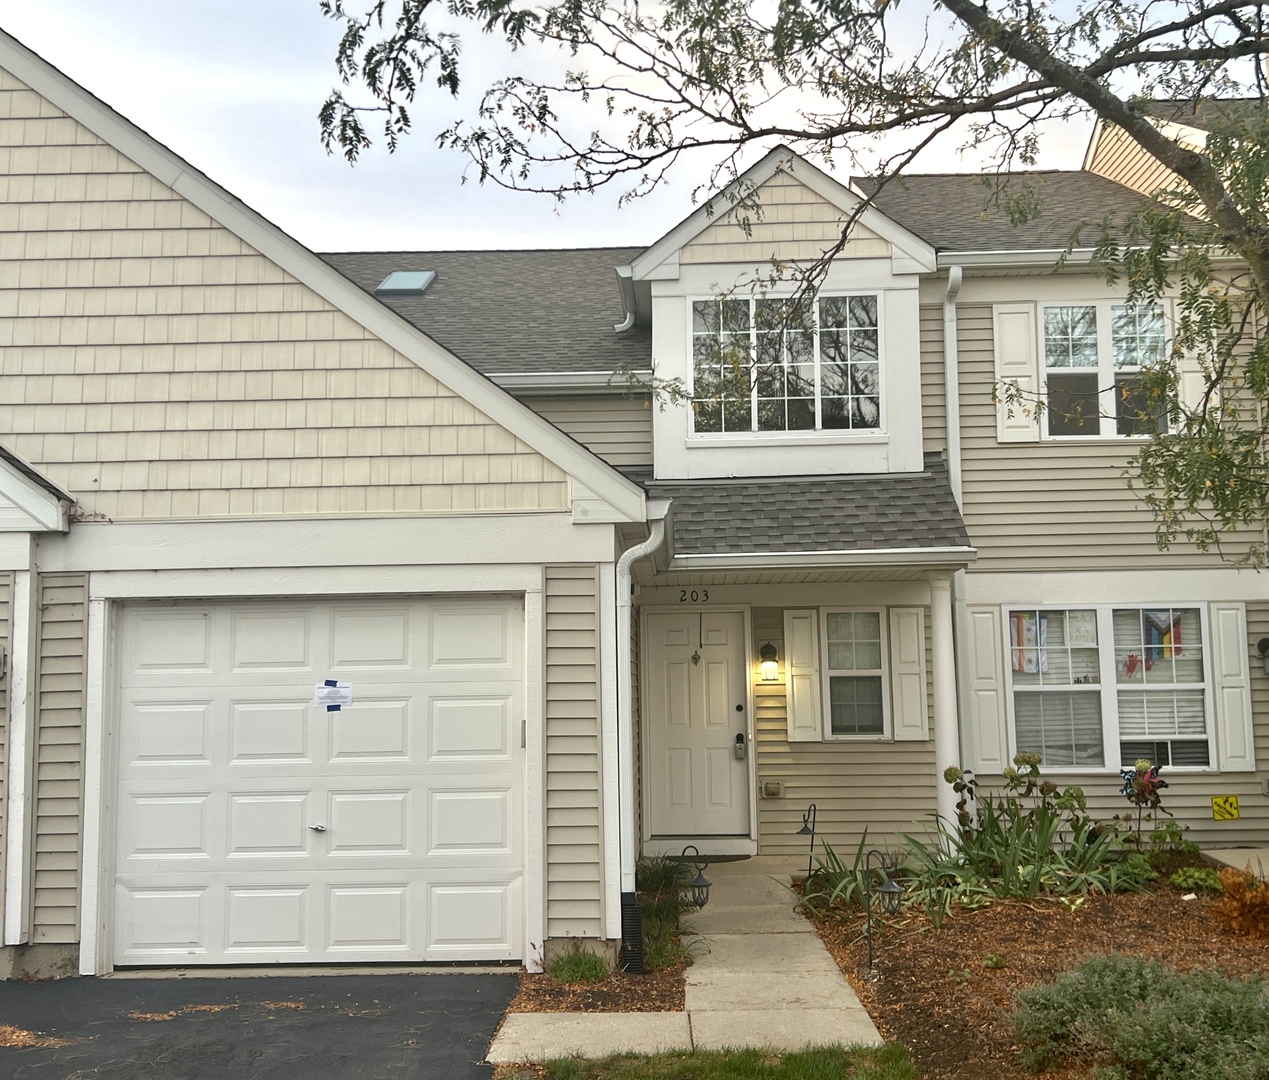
<point>318,828</point>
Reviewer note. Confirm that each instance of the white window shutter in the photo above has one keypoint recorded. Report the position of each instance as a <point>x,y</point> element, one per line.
<point>1231,689</point>
<point>802,662</point>
<point>988,714</point>
<point>1017,365</point>
<point>909,703</point>
<point>1192,384</point>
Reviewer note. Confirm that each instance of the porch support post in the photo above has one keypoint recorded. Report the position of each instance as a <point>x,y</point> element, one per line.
<point>946,727</point>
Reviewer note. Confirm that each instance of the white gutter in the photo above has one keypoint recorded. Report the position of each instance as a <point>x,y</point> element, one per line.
<point>931,556</point>
<point>657,509</point>
<point>625,282</point>
<point>951,383</point>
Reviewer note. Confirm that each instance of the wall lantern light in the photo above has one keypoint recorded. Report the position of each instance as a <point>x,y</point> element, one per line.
<point>770,665</point>
<point>698,888</point>
<point>1262,647</point>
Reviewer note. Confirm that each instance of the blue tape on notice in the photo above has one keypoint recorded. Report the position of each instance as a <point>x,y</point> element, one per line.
<point>332,708</point>
<point>331,682</point>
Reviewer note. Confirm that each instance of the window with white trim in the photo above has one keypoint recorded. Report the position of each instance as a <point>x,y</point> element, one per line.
<point>854,674</point>
<point>765,364</point>
<point>1104,687</point>
<point>1093,355</point>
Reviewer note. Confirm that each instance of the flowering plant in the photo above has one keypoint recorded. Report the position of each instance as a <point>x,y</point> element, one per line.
<point>1143,787</point>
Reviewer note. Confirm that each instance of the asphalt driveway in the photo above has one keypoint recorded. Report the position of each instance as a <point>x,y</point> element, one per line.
<point>354,1027</point>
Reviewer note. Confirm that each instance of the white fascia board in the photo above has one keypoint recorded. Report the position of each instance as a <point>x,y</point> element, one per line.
<point>1045,258</point>
<point>47,513</point>
<point>573,382</point>
<point>910,249</point>
<point>625,497</point>
<point>735,560</point>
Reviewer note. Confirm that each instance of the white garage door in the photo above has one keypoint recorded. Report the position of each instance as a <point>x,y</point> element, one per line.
<point>256,827</point>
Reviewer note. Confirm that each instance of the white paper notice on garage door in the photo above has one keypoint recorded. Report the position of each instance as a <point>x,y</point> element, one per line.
<point>255,826</point>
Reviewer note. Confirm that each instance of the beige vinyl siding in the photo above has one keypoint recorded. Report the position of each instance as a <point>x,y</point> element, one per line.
<point>1052,504</point>
<point>156,366</point>
<point>933,390</point>
<point>6,649</point>
<point>1120,158</point>
<point>616,427</point>
<point>793,223</point>
<point>59,754</point>
<point>574,897</point>
<point>884,786</point>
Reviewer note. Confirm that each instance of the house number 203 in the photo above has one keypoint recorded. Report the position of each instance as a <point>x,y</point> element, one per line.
<point>693,596</point>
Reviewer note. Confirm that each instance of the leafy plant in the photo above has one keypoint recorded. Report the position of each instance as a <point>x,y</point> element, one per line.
<point>836,881</point>
<point>659,883</point>
<point>993,961</point>
<point>1245,906</point>
<point>1167,839</point>
<point>1197,879</point>
<point>577,964</point>
<point>1034,839</point>
<point>1138,1020</point>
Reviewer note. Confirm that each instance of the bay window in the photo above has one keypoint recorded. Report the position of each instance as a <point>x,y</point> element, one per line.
<point>767,364</point>
<point>1093,356</point>
<point>1103,687</point>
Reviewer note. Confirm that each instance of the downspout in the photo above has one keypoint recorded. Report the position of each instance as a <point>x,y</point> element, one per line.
<point>952,423</point>
<point>631,922</point>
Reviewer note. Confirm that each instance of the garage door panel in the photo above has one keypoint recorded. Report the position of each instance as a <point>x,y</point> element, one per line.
<point>271,641</point>
<point>269,825</point>
<point>167,733</point>
<point>373,728</point>
<point>225,767</point>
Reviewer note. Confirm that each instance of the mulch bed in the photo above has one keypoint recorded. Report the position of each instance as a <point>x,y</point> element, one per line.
<point>933,993</point>
<point>657,991</point>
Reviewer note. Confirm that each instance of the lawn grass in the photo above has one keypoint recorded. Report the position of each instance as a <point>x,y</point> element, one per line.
<point>822,1063</point>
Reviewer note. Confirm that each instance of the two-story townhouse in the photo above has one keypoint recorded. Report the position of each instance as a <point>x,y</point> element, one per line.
<point>367,607</point>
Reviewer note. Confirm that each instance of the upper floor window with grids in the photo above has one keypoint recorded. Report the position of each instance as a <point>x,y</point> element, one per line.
<point>766,364</point>
<point>1094,356</point>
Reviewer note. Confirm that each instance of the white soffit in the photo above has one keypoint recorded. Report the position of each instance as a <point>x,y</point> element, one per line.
<point>912,254</point>
<point>27,504</point>
<point>625,498</point>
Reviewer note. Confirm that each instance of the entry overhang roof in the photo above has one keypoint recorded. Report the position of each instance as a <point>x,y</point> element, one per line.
<point>876,520</point>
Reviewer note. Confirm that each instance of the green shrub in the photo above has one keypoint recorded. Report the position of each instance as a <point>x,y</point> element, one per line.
<point>1140,1021</point>
<point>835,881</point>
<point>1197,879</point>
<point>659,882</point>
<point>577,965</point>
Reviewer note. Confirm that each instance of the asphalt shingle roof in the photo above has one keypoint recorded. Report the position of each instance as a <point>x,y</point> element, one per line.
<point>514,311</point>
<point>955,212</point>
<point>822,513</point>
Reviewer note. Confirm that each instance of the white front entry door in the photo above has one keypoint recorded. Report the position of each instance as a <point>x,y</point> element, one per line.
<point>254,826</point>
<point>697,701</point>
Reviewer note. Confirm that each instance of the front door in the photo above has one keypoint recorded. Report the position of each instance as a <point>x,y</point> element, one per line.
<point>698,728</point>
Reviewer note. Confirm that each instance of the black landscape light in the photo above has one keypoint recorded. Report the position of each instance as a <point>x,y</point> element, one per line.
<point>700,884</point>
<point>808,829</point>
<point>891,894</point>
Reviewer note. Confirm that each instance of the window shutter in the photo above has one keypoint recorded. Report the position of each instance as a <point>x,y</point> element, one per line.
<point>802,660</point>
<point>1017,364</point>
<point>988,715</point>
<point>1192,383</point>
<point>907,673</point>
<point>1231,690</point>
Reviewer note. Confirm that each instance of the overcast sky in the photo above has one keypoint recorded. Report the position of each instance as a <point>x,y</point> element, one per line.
<point>234,87</point>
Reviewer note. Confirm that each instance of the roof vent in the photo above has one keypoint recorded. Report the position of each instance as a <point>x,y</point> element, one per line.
<point>406,283</point>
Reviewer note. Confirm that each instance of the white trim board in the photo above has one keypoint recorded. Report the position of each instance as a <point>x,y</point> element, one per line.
<point>1117,587</point>
<point>25,506</point>
<point>625,497</point>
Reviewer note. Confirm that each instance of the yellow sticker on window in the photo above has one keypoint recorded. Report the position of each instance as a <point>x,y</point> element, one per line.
<point>1224,807</point>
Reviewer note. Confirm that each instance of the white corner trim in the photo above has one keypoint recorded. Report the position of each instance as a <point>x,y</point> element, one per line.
<point>907,244</point>
<point>94,956</point>
<point>22,701</point>
<point>535,775</point>
<point>610,750</point>
<point>332,286</point>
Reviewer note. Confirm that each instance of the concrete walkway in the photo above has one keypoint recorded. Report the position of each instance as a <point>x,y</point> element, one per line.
<point>760,977</point>
<point>1240,858</point>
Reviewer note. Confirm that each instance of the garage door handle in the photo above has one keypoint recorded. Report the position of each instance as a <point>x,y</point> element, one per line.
<point>318,828</point>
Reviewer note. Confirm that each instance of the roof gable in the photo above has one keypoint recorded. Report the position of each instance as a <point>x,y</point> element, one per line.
<point>610,495</point>
<point>29,501</point>
<point>776,173</point>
